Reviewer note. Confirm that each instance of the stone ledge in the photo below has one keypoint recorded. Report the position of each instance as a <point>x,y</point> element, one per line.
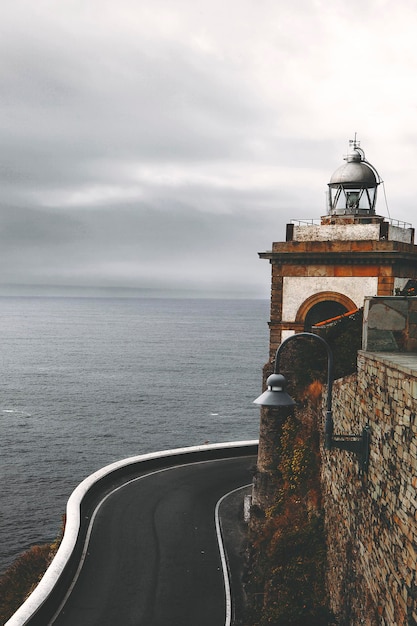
<point>404,361</point>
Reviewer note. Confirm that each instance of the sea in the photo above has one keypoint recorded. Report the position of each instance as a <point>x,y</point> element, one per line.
<point>89,381</point>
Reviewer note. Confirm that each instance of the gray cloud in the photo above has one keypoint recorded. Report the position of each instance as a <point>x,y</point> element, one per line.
<point>164,145</point>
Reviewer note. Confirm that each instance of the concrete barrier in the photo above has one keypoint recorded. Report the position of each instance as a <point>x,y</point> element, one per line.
<point>34,609</point>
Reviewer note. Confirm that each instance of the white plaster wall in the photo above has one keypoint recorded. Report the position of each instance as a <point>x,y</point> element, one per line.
<point>296,289</point>
<point>400,234</point>
<point>349,232</point>
<point>336,232</point>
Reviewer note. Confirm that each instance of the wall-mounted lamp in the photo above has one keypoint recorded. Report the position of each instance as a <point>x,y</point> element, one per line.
<point>276,396</point>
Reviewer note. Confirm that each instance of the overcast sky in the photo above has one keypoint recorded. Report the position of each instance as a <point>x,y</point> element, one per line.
<point>163,143</point>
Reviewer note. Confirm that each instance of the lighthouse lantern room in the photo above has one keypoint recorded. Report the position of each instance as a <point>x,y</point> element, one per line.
<point>353,186</point>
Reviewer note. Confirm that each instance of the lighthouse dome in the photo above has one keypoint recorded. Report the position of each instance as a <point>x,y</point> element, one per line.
<point>352,174</point>
<point>353,186</point>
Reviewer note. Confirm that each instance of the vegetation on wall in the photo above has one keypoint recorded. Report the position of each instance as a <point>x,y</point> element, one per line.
<point>345,339</point>
<point>286,582</point>
<point>305,360</point>
<point>287,560</point>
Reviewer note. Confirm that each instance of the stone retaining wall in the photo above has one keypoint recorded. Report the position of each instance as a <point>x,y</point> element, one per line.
<point>371,520</point>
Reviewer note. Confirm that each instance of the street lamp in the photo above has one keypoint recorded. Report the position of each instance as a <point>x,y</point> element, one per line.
<point>275,396</point>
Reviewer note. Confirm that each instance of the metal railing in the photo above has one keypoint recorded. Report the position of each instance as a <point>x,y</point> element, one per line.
<point>317,222</point>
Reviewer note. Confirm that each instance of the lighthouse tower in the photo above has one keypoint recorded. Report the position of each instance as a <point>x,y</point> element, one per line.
<point>327,267</point>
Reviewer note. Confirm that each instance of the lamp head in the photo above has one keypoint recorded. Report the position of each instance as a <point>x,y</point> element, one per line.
<point>275,395</point>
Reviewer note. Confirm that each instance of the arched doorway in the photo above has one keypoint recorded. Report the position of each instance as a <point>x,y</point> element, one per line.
<point>323,306</point>
<point>323,311</point>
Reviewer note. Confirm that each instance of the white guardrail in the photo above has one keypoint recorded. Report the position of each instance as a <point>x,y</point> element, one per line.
<point>73,522</point>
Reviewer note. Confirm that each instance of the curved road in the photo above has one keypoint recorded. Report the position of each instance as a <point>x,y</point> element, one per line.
<point>152,555</point>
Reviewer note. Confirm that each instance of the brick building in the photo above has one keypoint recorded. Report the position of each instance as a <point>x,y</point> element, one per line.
<point>327,268</point>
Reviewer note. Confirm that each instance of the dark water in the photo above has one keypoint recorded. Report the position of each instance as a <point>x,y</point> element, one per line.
<point>85,382</point>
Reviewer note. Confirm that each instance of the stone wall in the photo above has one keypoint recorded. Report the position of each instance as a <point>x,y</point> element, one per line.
<point>371,520</point>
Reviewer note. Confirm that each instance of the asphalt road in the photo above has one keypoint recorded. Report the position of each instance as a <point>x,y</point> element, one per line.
<point>152,556</point>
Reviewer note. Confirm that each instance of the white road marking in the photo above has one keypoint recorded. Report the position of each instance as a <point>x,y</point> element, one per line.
<point>73,523</point>
<point>90,530</point>
<point>223,556</point>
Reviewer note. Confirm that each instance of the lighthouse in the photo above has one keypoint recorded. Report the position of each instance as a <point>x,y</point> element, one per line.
<point>327,267</point>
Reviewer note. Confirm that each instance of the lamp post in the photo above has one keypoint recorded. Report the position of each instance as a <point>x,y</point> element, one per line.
<point>275,396</point>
